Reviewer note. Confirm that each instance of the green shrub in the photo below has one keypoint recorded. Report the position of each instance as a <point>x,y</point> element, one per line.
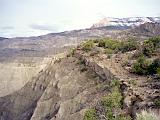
<point>95,52</point>
<point>87,46</point>
<point>144,115</point>
<point>133,82</point>
<point>109,43</point>
<point>117,46</point>
<point>158,71</point>
<point>96,41</point>
<point>153,68</point>
<point>112,44</point>
<point>83,69</point>
<point>141,66</point>
<point>90,114</point>
<point>71,52</point>
<point>124,118</point>
<point>102,43</point>
<point>81,61</point>
<point>109,56</point>
<point>113,100</point>
<point>128,45</point>
<point>150,46</point>
<point>114,83</point>
<point>112,103</point>
<point>145,67</point>
<point>157,102</point>
<point>155,41</point>
<point>109,51</point>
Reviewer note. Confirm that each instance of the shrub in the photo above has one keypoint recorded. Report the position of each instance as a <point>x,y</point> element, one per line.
<point>117,46</point>
<point>71,52</point>
<point>144,67</point>
<point>155,41</point>
<point>102,43</point>
<point>109,51</point>
<point>158,72</point>
<point>113,100</point>
<point>109,56</point>
<point>87,46</point>
<point>141,66</point>
<point>83,69</point>
<point>112,44</point>
<point>124,118</point>
<point>96,41</point>
<point>90,114</point>
<point>95,52</point>
<point>114,83</point>
<point>133,82</point>
<point>144,115</point>
<point>128,45</point>
<point>153,68</point>
<point>157,102</point>
<point>109,43</point>
<point>150,46</point>
<point>112,103</point>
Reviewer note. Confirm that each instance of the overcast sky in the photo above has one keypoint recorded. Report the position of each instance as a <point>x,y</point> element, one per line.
<point>37,17</point>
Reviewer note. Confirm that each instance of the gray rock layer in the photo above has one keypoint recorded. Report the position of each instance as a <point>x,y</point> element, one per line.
<point>63,91</point>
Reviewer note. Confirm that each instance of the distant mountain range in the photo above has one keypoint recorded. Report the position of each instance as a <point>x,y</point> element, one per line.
<point>2,38</point>
<point>53,43</point>
<point>125,22</point>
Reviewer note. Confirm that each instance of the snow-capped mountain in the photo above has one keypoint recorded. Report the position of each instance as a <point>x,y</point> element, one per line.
<point>129,22</point>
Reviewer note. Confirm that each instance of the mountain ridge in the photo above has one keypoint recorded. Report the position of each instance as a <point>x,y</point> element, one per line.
<point>130,21</point>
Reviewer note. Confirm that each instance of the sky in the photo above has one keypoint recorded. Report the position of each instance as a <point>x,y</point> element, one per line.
<point>39,17</point>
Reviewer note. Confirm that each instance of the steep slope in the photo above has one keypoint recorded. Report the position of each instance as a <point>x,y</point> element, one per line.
<point>70,86</point>
<point>15,73</point>
<point>150,29</point>
<point>62,91</point>
<point>22,58</point>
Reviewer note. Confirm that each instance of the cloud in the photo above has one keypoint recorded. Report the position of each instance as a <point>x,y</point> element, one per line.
<point>7,28</point>
<point>44,27</point>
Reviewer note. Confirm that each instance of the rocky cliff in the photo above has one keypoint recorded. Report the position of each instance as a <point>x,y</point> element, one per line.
<point>62,91</point>
<point>68,86</point>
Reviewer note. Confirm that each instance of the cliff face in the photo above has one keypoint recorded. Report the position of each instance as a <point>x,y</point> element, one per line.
<point>62,91</point>
<point>67,87</point>
<point>150,29</point>
<point>14,74</point>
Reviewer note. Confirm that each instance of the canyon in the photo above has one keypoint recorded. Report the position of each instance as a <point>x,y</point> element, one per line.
<point>40,80</point>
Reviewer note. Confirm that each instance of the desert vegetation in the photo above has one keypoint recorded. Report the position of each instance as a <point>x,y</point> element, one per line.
<point>145,115</point>
<point>143,59</point>
<point>87,46</point>
<point>111,103</point>
<point>90,114</point>
<point>148,63</point>
<point>151,46</point>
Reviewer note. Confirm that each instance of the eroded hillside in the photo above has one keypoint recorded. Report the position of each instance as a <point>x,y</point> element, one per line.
<point>100,79</point>
<point>62,91</point>
<point>15,73</point>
